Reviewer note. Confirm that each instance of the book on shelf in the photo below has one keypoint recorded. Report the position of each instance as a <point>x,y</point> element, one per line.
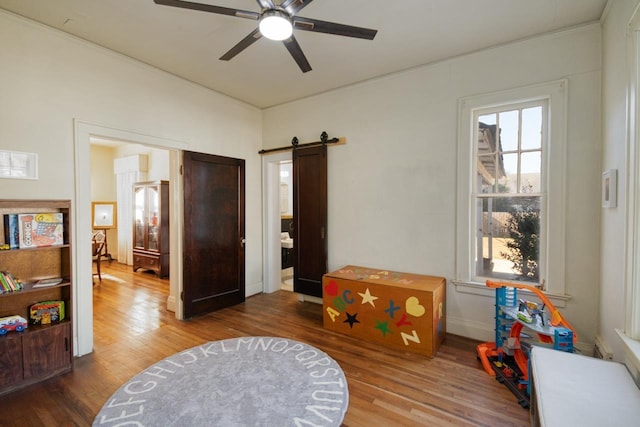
<point>51,281</point>
<point>5,284</point>
<point>40,229</point>
<point>11,231</point>
<point>8,283</point>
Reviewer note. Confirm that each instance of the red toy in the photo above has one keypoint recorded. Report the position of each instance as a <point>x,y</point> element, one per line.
<point>12,323</point>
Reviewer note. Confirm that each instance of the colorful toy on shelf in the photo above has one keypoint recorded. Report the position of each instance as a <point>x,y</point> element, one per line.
<point>12,323</point>
<point>46,312</point>
<point>507,358</point>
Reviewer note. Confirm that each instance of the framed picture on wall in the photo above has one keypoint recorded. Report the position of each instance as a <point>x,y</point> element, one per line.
<point>103,214</point>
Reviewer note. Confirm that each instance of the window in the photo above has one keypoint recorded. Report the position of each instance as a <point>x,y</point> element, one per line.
<point>507,194</point>
<point>510,215</point>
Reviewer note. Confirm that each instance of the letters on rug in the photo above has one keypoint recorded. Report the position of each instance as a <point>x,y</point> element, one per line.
<point>246,381</point>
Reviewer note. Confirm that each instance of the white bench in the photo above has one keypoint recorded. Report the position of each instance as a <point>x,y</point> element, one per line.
<point>569,389</point>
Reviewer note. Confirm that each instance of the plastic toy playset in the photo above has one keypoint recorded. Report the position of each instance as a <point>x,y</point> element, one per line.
<point>519,325</point>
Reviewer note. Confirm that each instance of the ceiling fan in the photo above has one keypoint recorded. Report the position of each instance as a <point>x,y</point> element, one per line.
<point>276,22</point>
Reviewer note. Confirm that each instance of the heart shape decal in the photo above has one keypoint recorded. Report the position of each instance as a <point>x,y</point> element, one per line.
<point>413,307</point>
<point>331,288</point>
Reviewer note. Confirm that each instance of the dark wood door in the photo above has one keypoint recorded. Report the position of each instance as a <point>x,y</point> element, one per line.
<point>213,274</point>
<point>310,219</point>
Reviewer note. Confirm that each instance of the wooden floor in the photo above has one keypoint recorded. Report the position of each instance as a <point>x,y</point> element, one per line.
<point>132,330</point>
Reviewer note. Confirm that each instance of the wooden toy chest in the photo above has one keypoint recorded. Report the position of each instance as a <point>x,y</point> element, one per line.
<point>400,310</point>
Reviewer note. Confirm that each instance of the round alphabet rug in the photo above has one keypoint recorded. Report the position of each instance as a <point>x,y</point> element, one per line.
<point>247,381</point>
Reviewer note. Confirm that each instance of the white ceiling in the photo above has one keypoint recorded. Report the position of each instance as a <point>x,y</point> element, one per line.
<point>188,43</point>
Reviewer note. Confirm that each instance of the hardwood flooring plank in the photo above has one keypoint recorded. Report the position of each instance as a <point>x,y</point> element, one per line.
<point>132,330</point>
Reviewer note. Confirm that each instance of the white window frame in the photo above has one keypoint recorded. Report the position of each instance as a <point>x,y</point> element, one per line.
<point>631,334</point>
<point>632,269</point>
<point>553,181</point>
<point>542,195</point>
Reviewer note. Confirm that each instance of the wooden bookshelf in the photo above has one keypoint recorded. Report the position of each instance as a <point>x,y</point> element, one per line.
<point>40,351</point>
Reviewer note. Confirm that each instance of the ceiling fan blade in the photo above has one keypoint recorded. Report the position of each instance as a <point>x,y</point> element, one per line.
<point>294,6</point>
<point>307,24</point>
<point>266,4</point>
<point>294,49</point>
<point>253,37</point>
<point>209,8</point>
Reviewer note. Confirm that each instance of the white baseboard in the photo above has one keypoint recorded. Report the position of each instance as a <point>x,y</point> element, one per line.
<point>474,330</point>
<point>171,303</point>
<point>253,289</point>
<point>486,333</point>
<point>309,298</point>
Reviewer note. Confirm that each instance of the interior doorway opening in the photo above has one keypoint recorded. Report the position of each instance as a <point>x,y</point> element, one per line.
<point>286,224</point>
<point>83,312</point>
<point>273,202</point>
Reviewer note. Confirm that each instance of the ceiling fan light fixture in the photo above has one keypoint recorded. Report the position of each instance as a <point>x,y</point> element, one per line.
<point>275,25</point>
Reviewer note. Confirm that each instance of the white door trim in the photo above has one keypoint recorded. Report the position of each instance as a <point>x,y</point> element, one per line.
<point>81,231</point>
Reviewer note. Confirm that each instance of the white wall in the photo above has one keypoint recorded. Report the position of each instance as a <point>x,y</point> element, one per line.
<point>103,181</point>
<point>103,185</point>
<point>615,79</point>
<point>49,79</point>
<point>392,186</point>
<point>158,160</point>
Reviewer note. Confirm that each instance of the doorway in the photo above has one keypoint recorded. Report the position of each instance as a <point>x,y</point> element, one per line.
<point>272,245</point>
<point>115,167</point>
<point>286,224</point>
<point>309,212</point>
<point>83,309</point>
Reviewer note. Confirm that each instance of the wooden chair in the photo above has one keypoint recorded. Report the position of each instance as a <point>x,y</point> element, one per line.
<point>97,247</point>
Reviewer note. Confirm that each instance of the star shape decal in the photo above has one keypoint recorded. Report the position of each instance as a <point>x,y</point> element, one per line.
<point>392,309</point>
<point>368,298</point>
<point>383,326</point>
<point>351,319</point>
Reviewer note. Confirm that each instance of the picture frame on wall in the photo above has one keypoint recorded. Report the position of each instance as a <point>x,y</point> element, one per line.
<point>103,215</point>
<point>610,188</point>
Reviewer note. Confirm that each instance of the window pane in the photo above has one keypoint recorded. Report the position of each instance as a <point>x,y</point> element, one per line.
<point>486,174</point>
<point>509,130</point>
<point>508,182</point>
<point>486,138</point>
<point>488,119</point>
<point>531,128</point>
<point>530,172</point>
<point>507,241</point>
